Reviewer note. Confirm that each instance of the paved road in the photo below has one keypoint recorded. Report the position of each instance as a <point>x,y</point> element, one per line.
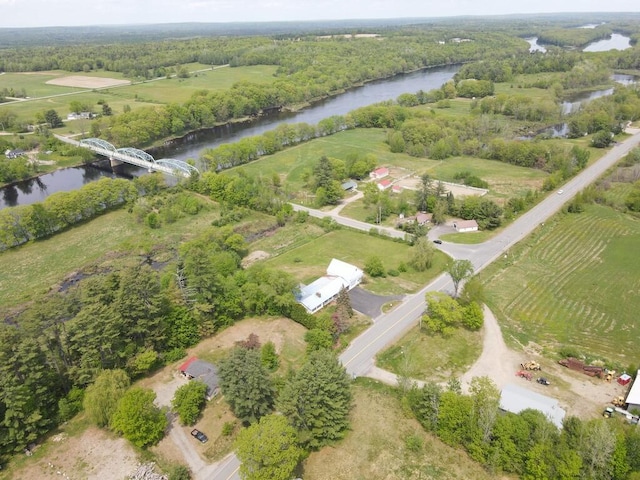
<point>358,358</point>
<point>360,354</point>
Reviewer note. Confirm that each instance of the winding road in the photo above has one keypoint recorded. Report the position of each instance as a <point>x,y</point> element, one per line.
<point>359,356</point>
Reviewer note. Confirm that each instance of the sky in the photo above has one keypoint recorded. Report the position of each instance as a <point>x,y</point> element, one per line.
<point>40,13</point>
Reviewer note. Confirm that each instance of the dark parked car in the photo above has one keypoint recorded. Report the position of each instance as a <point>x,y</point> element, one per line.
<point>543,381</point>
<point>438,241</point>
<point>199,435</point>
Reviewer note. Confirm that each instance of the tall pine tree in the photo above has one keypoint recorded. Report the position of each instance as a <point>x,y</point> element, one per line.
<point>317,400</point>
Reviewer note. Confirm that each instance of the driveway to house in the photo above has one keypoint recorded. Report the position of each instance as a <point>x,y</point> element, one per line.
<point>369,303</point>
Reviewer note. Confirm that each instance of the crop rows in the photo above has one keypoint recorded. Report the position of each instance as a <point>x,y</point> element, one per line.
<point>575,284</point>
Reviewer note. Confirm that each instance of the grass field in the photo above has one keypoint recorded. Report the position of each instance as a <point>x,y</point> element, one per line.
<point>309,261</point>
<point>31,270</point>
<point>504,179</point>
<point>432,357</point>
<point>573,282</point>
<point>173,90</point>
<point>377,446</point>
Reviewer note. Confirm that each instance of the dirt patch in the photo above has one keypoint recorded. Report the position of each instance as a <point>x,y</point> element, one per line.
<point>458,190</point>
<point>93,455</point>
<point>580,395</point>
<point>254,257</point>
<point>276,330</point>
<point>82,81</point>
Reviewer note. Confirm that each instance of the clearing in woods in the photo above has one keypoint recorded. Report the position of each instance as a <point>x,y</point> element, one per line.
<point>573,282</point>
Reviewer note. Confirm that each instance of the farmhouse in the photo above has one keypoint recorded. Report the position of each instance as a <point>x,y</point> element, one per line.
<point>205,372</point>
<point>633,399</point>
<point>379,173</point>
<point>324,290</point>
<point>384,184</point>
<point>465,226</point>
<point>515,399</point>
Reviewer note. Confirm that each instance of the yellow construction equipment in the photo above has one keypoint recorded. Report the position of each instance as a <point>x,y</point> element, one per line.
<point>531,365</point>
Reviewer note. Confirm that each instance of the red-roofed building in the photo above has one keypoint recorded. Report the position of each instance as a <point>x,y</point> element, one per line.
<point>396,189</point>
<point>384,184</point>
<point>379,173</point>
<point>206,372</point>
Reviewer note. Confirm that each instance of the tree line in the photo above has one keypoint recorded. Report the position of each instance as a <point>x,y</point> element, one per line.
<point>526,444</point>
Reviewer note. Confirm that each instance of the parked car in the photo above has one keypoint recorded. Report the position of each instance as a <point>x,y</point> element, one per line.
<point>543,381</point>
<point>438,241</point>
<point>560,192</point>
<point>202,438</point>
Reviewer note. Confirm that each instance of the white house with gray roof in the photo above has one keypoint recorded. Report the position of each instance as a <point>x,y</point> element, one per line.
<point>324,290</point>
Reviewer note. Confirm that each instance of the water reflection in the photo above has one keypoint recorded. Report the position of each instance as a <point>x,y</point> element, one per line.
<point>616,42</point>
<point>534,46</point>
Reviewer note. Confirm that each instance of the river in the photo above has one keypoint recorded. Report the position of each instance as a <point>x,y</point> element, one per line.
<point>616,42</point>
<point>67,179</point>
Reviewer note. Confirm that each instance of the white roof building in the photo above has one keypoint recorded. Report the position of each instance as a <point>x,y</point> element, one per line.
<point>515,399</point>
<point>633,399</point>
<point>325,289</point>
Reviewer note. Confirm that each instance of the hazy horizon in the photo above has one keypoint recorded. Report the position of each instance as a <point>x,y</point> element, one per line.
<point>20,13</point>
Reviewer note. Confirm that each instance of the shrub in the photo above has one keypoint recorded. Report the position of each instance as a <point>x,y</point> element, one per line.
<point>374,267</point>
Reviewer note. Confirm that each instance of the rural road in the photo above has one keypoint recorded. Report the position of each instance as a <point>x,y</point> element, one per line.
<point>359,356</point>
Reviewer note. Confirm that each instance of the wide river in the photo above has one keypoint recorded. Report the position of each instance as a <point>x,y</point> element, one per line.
<point>68,179</point>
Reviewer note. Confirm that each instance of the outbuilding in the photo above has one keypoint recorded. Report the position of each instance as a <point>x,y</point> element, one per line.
<point>633,398</point>
<point>384,184</point>
<point>465,226</point>
<point>206,372</point>
<point>515,399</point>
<point>624,379</point>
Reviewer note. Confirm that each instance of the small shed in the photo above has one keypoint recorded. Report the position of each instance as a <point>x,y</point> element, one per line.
<point>624,379</point>
<point>349,185</point>
<point>206,372</point>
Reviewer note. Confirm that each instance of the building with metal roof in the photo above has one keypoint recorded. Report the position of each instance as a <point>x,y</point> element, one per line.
<point>515,399</point>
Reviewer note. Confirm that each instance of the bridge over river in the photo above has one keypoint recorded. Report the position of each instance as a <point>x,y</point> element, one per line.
<point>134,156</point>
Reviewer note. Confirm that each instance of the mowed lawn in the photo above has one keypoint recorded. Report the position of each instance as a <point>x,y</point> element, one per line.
<point>309,261</point>
<point>292,163</point>
<point>574,282</point>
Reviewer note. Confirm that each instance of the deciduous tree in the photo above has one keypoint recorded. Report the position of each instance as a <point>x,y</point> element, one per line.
<point>138,419</point>
<point>459,270</point>
<point>189,400</point>
<point>102,396</point>
<point>268,450</point>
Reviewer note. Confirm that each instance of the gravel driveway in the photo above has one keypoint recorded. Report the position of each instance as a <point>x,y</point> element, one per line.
<point>369,303</point>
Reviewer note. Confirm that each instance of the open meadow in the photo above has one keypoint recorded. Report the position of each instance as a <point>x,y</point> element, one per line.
<point>572,283</point>
<point>386,442</point>
<point>152,92</point>
<point>33,269</point>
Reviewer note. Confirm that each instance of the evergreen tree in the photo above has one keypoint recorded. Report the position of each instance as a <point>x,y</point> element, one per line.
<point>246,385</point>
<point>317,400</point>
